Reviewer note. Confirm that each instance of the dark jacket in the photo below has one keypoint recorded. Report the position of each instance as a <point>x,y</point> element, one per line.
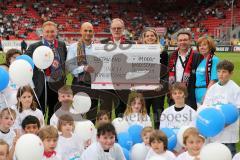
<point>38,77</point>
<point>191,100</point>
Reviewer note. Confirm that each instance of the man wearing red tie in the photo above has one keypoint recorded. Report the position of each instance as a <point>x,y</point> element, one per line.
<point>54,74</point>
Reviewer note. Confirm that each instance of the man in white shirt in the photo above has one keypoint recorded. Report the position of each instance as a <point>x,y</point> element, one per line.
<point>182,66</point>
<point>77,63</point>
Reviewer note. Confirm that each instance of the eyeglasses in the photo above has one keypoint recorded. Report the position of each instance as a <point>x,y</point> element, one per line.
<point>116,28</point>
<point>183,40</point>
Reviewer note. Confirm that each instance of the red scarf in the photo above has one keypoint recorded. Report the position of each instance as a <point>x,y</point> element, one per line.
<point>55,43</point>
<point>49,154</point>
<point>187,67</point>
<point>208,67</point>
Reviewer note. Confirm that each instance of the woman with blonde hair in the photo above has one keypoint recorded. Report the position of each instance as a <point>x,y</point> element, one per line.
<point>156,100</point>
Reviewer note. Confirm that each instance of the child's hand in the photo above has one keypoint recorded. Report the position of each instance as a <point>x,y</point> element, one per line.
<point>159,88</point>
<point>87,143</point>
<point>18,135</point>
<point>88,69</point>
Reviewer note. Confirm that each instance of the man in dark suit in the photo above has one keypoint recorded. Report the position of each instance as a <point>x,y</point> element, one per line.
<point>23,46</point>
<point>117,28</point>
<point>54,74</point>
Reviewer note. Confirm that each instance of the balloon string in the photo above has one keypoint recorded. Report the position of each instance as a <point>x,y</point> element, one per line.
<point>37,99</point>
<point>45,89</point>
<point>4,97</point>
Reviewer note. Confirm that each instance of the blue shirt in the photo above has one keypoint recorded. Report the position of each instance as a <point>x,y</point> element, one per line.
<point>201,77</point>
<point>72,54</point>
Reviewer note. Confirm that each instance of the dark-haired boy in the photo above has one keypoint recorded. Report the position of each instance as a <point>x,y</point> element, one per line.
<point>224,92</point>
<point>105,147</point>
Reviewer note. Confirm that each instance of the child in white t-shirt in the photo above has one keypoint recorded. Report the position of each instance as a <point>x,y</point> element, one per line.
<point>49,137</point>
<point>158,143</point>
<point>136,112</point>
<point>27,106</point>
<point>237,156</point>
<point>7,117</point>
<point>9,94</point>
<point>4,150</point>
<point>65,97</point>
<point>102,117</point>
<point>179,114</point>
<point>193,142</point>
<point>105,148</point>
<point>68,145</point>
<point>225,91</point>
<point>145,134</point>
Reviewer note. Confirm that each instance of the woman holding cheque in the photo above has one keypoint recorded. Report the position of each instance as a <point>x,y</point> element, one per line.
<point>156,100</point>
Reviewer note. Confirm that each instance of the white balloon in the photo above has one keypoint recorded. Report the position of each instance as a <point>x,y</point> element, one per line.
<point>120,125</point>
<point>216,151</point>
<point>11,99</point>
<point>139,152</point>
<point>158,158</point>
<point>29,147</point>
<point>43,57</point>
<point>84,130</point>
<point>180,134</point>
<point>21,72</point>
<point>81,102</point>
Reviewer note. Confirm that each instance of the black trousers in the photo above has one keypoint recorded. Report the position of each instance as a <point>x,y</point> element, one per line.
<point>157,106</point>
<point>52,101</point>
<point>79,86</point>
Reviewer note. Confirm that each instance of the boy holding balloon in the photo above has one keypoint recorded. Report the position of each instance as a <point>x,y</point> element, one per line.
<point>158,143</point>
<point>225,93</point>
<point>65,97</point>
<point>105,148</point>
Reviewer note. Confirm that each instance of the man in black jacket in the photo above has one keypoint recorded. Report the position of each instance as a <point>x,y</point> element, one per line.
<point>54,74</point>
<point>182,66</point>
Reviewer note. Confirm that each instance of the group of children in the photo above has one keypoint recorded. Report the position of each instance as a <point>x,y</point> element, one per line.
<point>61,143</point>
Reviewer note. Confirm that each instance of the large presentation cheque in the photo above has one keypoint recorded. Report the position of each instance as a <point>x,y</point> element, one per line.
<point>126,66</point>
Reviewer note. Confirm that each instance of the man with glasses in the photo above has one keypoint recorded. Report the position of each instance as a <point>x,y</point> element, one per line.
<point>117,28</point>
<point>182,66</point>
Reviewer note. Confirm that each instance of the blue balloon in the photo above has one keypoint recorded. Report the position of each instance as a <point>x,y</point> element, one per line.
<point>210,122</point>
<point>26,58</point>
<point>125,140</point>
<point>4,79</point>
<point>172,138</point>
<point>230,112</point>
<point>126,153</point>
<point>135,133</point>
